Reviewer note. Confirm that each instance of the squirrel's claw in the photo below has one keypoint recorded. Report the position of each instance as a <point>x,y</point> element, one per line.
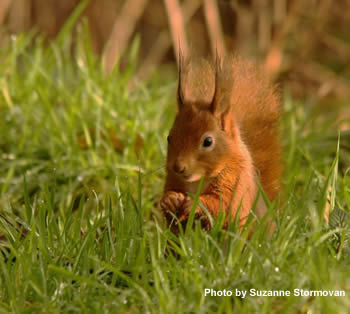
<point>186,209</point>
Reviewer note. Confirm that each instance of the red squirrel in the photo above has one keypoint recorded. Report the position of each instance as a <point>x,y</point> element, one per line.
<point>226,131</point>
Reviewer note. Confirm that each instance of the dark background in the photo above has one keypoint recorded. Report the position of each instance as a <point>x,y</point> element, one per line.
<point>305,45</point>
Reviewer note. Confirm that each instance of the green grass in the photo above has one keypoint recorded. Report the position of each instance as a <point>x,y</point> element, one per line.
<point>81,160</point>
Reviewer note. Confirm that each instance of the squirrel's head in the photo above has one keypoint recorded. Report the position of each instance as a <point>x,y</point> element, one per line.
<point>202,137</point>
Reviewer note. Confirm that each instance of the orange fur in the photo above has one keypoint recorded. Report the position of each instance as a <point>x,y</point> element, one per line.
<point>236,106</point>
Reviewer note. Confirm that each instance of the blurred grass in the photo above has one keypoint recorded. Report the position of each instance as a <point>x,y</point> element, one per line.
<point>78,183</point>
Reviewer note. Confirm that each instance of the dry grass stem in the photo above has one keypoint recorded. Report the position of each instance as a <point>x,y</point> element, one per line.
<point>123,28</point>
<point>163,42</point>
<point>177,27</point>
<point>212,18</point>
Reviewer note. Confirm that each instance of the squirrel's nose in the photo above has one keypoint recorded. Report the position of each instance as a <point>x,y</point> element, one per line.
<point>179,168</point>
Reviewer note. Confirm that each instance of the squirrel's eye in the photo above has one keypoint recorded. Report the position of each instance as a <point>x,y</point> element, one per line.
<point>207,141</point>
<point>168,138</point>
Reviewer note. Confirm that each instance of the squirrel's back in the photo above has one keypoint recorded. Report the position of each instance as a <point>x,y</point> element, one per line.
<point>257,109</point>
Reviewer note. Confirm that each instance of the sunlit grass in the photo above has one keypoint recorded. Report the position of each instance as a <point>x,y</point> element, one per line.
<point>79,183</point>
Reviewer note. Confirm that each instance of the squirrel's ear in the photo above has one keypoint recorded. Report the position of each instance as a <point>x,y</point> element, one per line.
<point>180,96</point>
<point>219,105</point>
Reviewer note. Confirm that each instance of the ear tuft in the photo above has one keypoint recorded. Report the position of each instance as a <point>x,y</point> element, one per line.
<point>219,106</point>
<point>180,96</point>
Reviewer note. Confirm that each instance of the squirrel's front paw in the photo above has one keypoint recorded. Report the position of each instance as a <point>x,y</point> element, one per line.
<point>172,201</point>
<point>187,207</point>
<point>198,213</point>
